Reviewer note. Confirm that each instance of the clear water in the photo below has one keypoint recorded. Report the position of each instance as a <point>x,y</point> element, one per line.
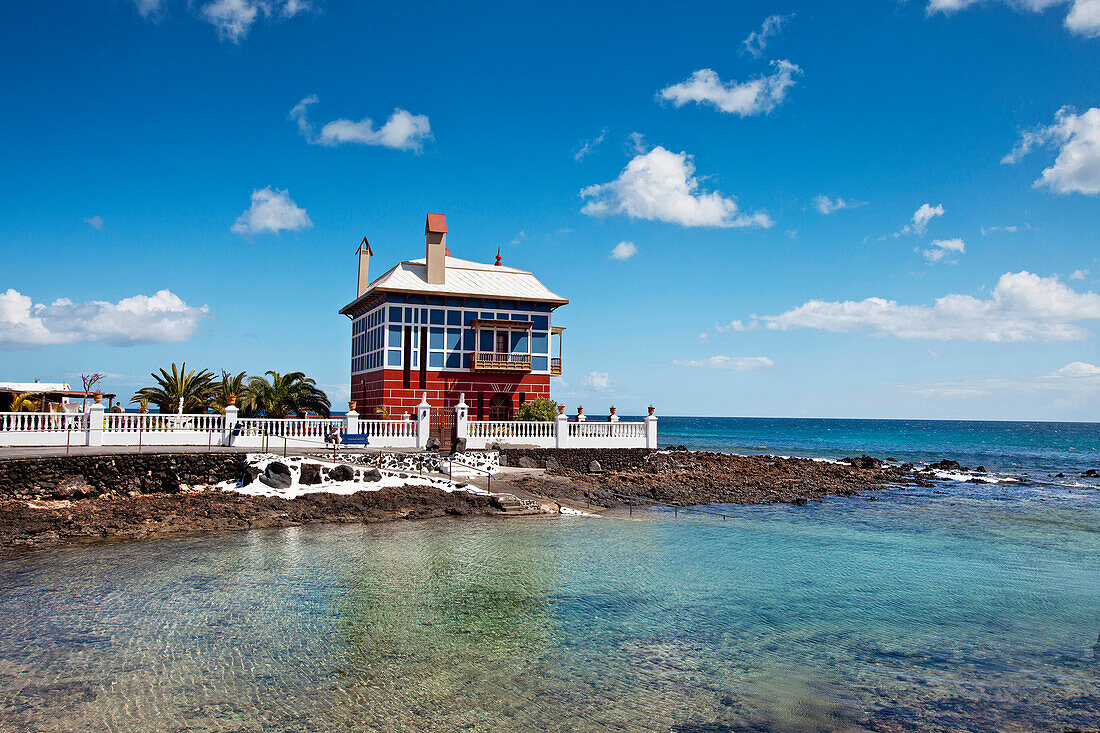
<point>975,608</point>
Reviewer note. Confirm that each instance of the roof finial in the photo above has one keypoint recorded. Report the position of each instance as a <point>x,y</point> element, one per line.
<point>497,263</point>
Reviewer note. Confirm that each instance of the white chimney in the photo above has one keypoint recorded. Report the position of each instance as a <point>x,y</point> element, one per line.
<point>364,266</point>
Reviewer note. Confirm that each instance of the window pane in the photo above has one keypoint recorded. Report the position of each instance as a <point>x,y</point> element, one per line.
<point>538,363</point>
<point>394,358</point>
<point>468,317</point>
<point>395,314</point>
<point>454,318</point>
<point>519,342</point>
<point>542,323</point>
<point>453,336</point>
<point>454,360</point>
<point>437,316</point>
<point>486,340</point>
<point>469,339</point>
<point>435,360</point>
<point>435,339</point>
<point>395,336</point>
<point>539,343</point>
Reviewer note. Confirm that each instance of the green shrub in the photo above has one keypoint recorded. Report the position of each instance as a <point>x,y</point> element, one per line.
<point>540,409</point>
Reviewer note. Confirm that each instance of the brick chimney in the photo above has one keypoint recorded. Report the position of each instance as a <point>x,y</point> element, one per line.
<point>364,266</point>
<point>435,232</point>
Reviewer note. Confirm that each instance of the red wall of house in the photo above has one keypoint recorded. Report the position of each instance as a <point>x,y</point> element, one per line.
<point>382,388</point>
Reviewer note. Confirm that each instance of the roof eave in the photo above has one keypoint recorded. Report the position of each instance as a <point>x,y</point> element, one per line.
<point>351,307</point>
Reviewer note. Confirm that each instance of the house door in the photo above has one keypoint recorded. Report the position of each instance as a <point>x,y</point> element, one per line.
<point>503,346</point>
<point>442,426</point>
<point>500,407</point>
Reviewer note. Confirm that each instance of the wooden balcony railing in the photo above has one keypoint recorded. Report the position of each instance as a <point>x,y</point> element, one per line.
<point>495,361</point>
<point>555,366</point>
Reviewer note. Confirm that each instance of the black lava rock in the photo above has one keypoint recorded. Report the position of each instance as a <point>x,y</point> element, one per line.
<point>343,472</point>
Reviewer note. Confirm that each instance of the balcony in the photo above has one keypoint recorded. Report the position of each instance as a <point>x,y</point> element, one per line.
<point>495,361</point>
<point>555,366</point>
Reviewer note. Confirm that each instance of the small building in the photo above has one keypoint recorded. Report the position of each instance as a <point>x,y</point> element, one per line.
<point>445,326</point>
<point>53,396</point>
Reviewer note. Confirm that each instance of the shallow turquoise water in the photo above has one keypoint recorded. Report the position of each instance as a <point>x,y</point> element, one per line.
<point>968,608</point>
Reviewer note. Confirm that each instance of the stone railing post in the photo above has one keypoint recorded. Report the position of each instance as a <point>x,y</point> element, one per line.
<point>95,424</point>
<point>614,417</point>
<point>230,422</point>
<point>423,421</point>
<point>561,430</point>
<point>351,422</point>
<point>462,412</point>
<point>651,430</point>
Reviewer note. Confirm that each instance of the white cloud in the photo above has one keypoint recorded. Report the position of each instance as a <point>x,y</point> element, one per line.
<point>758,40</point>
<point>1077,167</point>
<point>95,222</point>
<point>1022,307</point>
<point>661,186</point>
<point>599,381</point>
<point>272,211</point>
<point>402,131</point>
<point>147,8</point>
<point>826,205</point>
<point>624,251</point>
<point>756,96</point>
<point>943,248</point>
<point>1079,275</point>
<point>734,325</point>
<point>1076,379</point>
<point>159,318</point>
<point>589,146</point>
<point>921,217</point>
<point>729,363</point>
<point>233,19</point>
<point>703,335</point>
<point>635,143</point>
<point>986,231</point>
<point>519,237</point>
<point>1083,17</point>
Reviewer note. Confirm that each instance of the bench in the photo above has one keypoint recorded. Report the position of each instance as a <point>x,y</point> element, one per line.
<point>354,439</point>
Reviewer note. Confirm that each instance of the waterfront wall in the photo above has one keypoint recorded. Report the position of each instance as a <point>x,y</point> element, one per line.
<point>574,459</point>
<point>76,477</point>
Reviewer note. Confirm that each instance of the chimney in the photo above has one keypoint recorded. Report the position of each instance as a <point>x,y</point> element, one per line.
<point>365,254</point>
<point>435,232</point>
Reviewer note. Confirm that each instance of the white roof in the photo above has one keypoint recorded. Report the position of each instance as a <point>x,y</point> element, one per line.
<point>463,277</point>
<point>34,386</point>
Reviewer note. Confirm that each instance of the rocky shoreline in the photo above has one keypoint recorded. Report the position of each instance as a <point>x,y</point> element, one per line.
<point>57,514</point>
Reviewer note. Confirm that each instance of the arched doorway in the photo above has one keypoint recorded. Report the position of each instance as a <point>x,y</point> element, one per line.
<point>500,407</point>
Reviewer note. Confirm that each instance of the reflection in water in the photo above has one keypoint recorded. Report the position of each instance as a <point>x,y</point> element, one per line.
<point>940,612</point>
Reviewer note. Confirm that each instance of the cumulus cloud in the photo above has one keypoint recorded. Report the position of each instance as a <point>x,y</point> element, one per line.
<point>758,40</point>
<point>1076,379</point>
<point>661,186</point>
<point>142,319</point>
<point>1076,169</point>
<point>753,97</point>
<point>826,205</point>
<point>1083,17</point>
<point>921,217</point>
<point>1022,307</point>
<point>1078,274</point>
<point>1079,369</point>
<point>589,146</point>
<point>402,131</point>
<point>233,19</point>
<point>272,211</point>
<point>148,8</point>
<point>944,248</point>
<point>599,381</point>
<point>95,222</point>
<point>729,363</point>
<point>733,325</point>
<point>624,251</point>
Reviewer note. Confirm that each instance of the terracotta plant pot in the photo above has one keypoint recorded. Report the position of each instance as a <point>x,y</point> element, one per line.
<point>98,396</point>
<point>231,400</point>
<point>351,406</point>
<point>651,409</point>
<point>580,410</point>
<point>561,409</point>
<point>613,409</point>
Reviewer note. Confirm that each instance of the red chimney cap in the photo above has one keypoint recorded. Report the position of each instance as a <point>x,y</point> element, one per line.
<point>436,223</point>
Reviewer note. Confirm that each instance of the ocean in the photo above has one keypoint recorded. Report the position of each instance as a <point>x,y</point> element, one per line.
<point>954,607</point>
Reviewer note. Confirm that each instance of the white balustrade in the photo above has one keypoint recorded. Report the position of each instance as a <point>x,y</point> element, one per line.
<point>45,422</point>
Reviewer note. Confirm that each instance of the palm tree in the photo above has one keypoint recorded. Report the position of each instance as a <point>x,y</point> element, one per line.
<point>287,394</point>
<point>24,403</point>
<point>233,385</point>
<point>195,389</point>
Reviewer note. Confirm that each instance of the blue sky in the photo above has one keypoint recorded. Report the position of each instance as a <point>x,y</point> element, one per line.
<point>889,210</point>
